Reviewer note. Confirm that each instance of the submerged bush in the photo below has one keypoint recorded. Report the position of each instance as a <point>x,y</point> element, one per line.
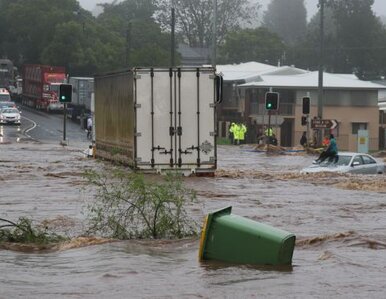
<point>128,206</point>
<point>23,232</point>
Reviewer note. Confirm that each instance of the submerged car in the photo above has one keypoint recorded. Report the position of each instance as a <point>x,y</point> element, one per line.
<point>10,116</point>
<point>347,162</point>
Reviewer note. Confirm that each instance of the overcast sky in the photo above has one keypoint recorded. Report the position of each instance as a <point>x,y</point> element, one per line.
<point>379,6</point>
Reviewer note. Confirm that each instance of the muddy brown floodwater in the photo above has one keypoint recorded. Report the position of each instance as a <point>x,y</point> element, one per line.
<point>339,221</point>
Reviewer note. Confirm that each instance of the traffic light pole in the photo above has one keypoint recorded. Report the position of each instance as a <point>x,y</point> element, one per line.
<point>65,96</point>
<point>269,131</point>
<point>64,142</point>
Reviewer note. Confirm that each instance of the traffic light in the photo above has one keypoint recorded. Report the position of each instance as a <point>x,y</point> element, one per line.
<point>304,120</point>
<point>271,101</point>
<point>306,105</point>
<point>65,93</point>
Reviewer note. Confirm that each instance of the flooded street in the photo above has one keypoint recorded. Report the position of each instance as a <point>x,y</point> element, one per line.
<point>339,222</point>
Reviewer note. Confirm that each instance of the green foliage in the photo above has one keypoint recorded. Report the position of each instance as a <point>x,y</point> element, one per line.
<point>194,19</point>
<point>128,206</point>
<point>59,32</point>
<point>30,26</point>
<point>252,45</point>
<point>116,15</point>
<point>23,232</point>
<point>354,40</point>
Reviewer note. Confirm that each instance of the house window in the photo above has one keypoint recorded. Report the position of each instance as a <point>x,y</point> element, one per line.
<point>358,126</point>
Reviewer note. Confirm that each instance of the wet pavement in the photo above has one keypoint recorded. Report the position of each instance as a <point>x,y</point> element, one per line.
<point>339,221</point>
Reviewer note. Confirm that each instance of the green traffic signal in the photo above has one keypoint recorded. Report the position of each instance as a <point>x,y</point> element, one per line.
<point>65,93</point>
<point>271,100</point>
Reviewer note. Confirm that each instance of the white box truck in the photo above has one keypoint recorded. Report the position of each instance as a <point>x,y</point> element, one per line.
<point>80,106</point>
<point>158,119</point>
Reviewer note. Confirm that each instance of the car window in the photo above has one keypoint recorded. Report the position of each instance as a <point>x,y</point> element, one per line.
<point>358,159</point>
<point>7,104</point>
<point>340,160</point>
<point>343,160</point>
<point>368,160</point>
<point>5,97</point>
<point>10,110</point>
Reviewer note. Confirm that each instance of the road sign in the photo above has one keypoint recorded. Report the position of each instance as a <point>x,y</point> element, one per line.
<point>317,123</point>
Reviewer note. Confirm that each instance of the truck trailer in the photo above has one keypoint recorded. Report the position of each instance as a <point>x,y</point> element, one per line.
<point>82,90</point>
<point>41,86</point>
<point>158,119</point>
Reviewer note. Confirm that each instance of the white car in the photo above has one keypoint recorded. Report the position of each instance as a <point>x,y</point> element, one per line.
<point>348,162</point>
<point>10,116</point>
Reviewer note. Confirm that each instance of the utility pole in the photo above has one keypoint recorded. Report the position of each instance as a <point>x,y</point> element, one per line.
<point>214,40</point>
<point>321,64</point>
<point>128,42</point>
<point>173,39</point>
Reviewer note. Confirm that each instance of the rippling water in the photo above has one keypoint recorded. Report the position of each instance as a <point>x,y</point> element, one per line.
<point>339,222</point>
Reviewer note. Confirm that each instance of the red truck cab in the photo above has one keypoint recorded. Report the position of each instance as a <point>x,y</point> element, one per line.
<point>41,86</point>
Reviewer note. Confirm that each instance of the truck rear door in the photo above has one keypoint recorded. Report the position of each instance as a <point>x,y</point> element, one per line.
<point>175,125</point>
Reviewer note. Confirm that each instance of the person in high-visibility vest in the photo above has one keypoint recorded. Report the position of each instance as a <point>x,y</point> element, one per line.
<point>242,132</point>
<point>236,134</point>
<point>232,130</point>
<point>268,132</point>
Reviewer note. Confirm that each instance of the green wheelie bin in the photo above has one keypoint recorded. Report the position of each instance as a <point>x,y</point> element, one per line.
<point>235,239</point>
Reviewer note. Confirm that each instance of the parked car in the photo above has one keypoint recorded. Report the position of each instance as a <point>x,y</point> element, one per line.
<point>348,162</point>
<point>10,116</point>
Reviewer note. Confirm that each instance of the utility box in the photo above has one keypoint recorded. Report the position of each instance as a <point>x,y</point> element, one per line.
<point>234,239</point>
<point>158,119</point>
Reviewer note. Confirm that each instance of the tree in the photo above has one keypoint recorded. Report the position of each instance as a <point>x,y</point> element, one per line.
<point>59,32</point>
<point>303,53</point>
<point>355,40</point>
<point>194,19</point>
<point>358,32</point>
<point>30,25</point>
<point>288,19</point>
<point>252,45</point>
<point>83,49</point>
<point>144,44</point>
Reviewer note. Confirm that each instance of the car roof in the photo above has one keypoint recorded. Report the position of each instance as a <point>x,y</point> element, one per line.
<point>351,154</point>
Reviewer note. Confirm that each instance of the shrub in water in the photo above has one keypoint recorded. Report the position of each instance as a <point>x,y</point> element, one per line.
<point>128,206</point>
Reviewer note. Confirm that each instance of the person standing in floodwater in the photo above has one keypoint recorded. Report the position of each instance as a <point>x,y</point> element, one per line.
<point>89,127</point>
<point>303,140</point>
